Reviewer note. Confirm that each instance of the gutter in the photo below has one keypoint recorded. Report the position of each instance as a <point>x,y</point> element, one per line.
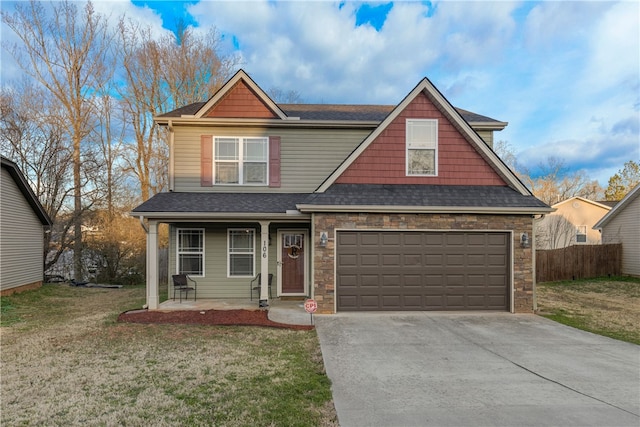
<point>306,208</point>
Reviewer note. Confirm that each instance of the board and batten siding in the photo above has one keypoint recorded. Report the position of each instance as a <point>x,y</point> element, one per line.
<point>625,228</point>
<point>21,238</point>
<point>215,283</point>
<point>307,156</point>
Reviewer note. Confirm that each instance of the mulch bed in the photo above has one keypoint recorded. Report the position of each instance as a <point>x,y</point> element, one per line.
<point>207,317</point>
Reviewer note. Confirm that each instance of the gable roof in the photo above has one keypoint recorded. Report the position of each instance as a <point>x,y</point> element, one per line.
<point>303,113</point>
<point>26,190</point>
<point>418,198</point>
<point>341,112</point>
<point>343,198</point>
<point>240,77</point>
<point>591,202</point>
<point>619,207</point>
<point>425,86</point>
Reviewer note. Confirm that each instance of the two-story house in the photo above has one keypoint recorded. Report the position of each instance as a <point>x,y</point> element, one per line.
<point>362,207</point>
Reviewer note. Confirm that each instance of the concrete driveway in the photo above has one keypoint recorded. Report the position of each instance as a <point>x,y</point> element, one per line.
<point>484,369</point>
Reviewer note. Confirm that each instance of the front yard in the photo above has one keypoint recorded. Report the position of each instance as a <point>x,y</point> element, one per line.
<point>65,361</point>
<point>607,306</point>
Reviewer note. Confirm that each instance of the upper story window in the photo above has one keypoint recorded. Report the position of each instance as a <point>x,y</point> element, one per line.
<point>242,161</point>
<point>422,147</point>
<point>581,234</point>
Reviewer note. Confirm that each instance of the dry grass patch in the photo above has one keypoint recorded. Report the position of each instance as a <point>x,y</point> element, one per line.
<point>607,306</point>
<point>66,362</point>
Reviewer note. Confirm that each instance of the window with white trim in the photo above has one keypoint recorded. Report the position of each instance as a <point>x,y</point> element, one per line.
<point>190,251</point>
<point>581,234</point>
<point>241,160</point>
<point>422,147</point>
<point>241,252</point>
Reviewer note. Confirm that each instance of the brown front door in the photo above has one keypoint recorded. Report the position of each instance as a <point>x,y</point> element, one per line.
<point>292,262</point>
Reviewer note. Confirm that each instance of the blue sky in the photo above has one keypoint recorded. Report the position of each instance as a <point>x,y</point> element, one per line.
<point>565,75</point>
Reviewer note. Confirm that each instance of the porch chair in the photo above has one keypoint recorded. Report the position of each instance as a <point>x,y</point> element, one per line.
<point>181,285</point>
<point>254,285</point>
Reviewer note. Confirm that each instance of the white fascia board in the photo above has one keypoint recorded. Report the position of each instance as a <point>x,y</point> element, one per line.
<point>488,125</point>
<point>582,199</point>
<point>205,121</point>
<point>423,209</point>
<point>635,192</point>
<point>241,75</point>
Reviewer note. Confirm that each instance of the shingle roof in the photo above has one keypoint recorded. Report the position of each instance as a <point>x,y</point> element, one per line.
<point>341,195</point>
<point>331,112</point>
<point>423,195</point>
<point>20,180</point>
<point>221,202</point>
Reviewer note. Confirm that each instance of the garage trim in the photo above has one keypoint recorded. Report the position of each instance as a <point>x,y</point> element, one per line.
<point>510,251</point>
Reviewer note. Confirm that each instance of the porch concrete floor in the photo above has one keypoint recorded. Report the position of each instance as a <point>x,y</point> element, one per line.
<point>290,312</point>
<point>209,304</point>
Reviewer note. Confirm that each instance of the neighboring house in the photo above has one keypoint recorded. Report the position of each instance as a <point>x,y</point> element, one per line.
<point>572,223</point>
<point>361,207</point>
<point>622,225</point>
<point>22,219</point>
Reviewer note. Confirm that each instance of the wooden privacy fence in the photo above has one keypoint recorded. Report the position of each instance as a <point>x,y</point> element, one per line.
<point>578,262</point>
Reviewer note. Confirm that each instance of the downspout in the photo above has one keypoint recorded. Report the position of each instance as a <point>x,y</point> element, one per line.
<point>146,232</point>
<point>534,222</point>
<point>144,226</point>
<point>171,161</point>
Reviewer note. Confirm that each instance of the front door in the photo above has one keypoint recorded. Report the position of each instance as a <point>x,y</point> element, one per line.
<point>292,262</point>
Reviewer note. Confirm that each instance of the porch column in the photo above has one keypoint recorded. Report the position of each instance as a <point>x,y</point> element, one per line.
<point>264,263</point>
<point>153,296</point>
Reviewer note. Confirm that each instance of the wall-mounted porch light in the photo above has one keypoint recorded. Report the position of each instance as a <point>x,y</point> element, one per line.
<point>324,238</point>
<point>524,240</point>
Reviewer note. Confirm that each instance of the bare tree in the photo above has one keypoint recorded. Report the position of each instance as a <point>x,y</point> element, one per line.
<point>160,76</point>
<point>65,49</point>
<point>108,138</point>
<point>555,232</point>
<point>32,134</point>
<point>556,183</point>
<point>285,97</point>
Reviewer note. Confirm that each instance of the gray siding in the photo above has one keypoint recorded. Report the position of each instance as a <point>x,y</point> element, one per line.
<point>21,237</point>
<point>215,283</point>
<point>625,228</point>
<point>308,156</point>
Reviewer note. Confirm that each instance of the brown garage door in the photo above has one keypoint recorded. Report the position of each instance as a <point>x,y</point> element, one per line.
<point>405,270</point>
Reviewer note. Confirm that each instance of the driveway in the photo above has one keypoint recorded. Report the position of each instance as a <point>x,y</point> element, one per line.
<point>484,369</point>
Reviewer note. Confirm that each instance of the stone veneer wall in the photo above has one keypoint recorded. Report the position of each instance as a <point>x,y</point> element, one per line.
<point>324,271</point>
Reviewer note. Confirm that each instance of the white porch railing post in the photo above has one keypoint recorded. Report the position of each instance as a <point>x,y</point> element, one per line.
<point>153,295</point>
<point>264,264</point>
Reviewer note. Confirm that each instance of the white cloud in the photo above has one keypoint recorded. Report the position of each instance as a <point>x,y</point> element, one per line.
<point>112,10</point>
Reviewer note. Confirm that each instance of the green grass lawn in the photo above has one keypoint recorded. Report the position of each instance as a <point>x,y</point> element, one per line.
<point>604,306</point>
<point>66,361</point>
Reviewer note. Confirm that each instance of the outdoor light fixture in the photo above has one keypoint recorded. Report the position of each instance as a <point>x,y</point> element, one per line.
<point>524,240</point>
<point>324,238</point>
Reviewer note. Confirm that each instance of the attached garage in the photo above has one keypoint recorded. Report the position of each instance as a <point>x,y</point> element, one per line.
<point>422,270</point>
